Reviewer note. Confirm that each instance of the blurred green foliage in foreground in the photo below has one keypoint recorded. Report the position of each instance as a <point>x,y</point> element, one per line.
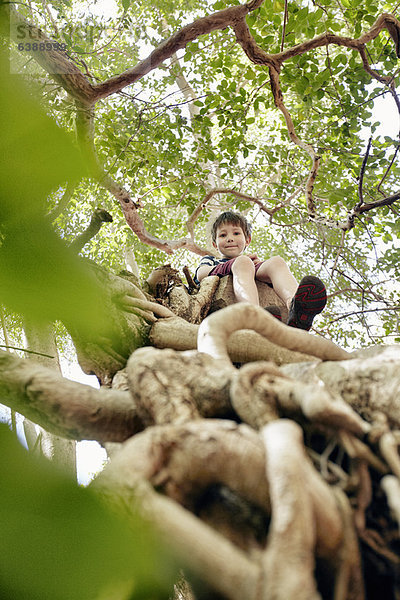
<point>59,542</point>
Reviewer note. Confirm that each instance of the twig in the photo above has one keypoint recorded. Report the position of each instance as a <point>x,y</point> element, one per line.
<point>360,183</point>
<point>4,326</point>
<point>388,169</point>
<point>192,285</point>
<point>285,20</point>
<point>66,197</point>
<point>25,350</point>
<point>99,217</point>
<point>358,312</point>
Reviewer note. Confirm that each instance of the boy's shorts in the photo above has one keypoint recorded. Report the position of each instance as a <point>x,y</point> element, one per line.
<point>225,268</point>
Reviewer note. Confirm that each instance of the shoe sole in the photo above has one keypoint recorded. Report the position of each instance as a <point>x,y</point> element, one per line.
<point>311,295</point>
<point>309,300</point>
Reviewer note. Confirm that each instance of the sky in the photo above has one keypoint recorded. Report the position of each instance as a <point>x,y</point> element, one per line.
<point>90,456</point>
<point>386,113</point>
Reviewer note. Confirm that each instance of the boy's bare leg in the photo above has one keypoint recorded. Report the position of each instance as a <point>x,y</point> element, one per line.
<point>275,271</point>
<point>244,285</point>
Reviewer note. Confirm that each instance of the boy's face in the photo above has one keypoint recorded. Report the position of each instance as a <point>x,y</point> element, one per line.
<point>230,240</point>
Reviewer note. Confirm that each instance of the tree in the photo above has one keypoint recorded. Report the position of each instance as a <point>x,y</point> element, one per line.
<point>214,454</point>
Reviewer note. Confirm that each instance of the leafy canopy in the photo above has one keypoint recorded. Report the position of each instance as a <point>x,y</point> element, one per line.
<point>207,118</point>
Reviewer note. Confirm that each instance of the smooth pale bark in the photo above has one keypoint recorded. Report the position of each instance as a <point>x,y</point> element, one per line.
<point>63,407</point>
<point>40,338</point>
<point>243,346</point>
<point>369,382</point>
<point>308,520</point>
<point>200,549</point>
<point>215,331</point>
<point>260,393</point>
<point>173,387</point>
<point>184,459</point>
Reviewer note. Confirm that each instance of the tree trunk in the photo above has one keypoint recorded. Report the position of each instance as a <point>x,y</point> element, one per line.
<point>275,480</point>
<point>40,338</point>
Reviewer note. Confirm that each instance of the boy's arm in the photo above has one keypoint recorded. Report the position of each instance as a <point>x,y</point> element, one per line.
<point>254,258</point>
<point>203,271</point>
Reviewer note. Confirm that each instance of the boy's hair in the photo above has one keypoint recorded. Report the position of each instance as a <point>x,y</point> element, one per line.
<point>234,219</point>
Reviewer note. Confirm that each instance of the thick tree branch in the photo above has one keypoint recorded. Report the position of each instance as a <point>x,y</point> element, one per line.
<point>384,21</point>
<point>52,59</point>
<point>261,393</point>
<point>258,56</point>
<point>307,519</point>
<point>243,346</point>
<point>275,61</point>
<point>202,26</point>
<point>184,459</point>
<point>358,210</point>
<point>362,206</point>
<point>58,64</point>
<point>85,133</point>
<point>63,202</point>
<point>63,407</point>
<point>372,375</point>
<point>278,98</point>
<point>215,330</point>
<point>206,553</point>
<point>99,217</point>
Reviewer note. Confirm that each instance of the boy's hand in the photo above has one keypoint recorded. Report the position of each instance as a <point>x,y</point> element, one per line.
<point>254,258</point>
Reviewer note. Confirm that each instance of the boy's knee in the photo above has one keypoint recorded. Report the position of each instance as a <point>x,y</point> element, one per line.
<point>243,263</point>
<point>277,262</point>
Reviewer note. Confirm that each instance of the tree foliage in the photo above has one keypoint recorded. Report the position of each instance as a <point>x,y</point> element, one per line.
<point>160,116</point>
<point>205,118</point>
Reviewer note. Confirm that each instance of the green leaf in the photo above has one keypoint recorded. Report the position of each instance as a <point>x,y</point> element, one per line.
<point>249,74</point>
<point>58,541</point>
<point>39,275</point>
<point>37,156</point>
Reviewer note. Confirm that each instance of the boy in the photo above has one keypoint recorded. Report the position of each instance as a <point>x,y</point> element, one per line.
<point>231,234</point>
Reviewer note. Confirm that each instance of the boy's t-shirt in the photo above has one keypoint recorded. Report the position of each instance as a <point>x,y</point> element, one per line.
<point>210,261</point>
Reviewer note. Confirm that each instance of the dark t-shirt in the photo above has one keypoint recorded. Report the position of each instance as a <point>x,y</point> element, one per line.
<point>209,261</point>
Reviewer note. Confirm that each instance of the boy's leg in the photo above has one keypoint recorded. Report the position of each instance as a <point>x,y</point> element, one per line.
<point>304,301</point>
<point>275,270</point>
<point>244,285</point>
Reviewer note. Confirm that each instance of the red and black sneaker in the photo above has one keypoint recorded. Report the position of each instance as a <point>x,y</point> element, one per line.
<point>308,301</point>
<point>275,311</point>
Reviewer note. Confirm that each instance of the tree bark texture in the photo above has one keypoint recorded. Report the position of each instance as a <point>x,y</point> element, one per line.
<point>61,451</point>
<point>265,479</point>
<point>224,445</point>
<point>277,480</point>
